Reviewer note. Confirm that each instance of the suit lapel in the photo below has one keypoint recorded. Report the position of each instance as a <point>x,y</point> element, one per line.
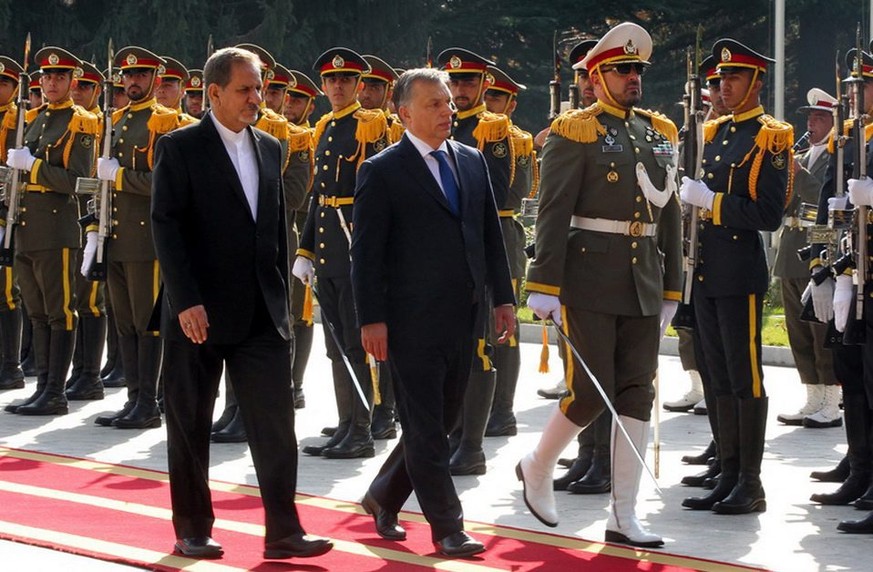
<point>262,189</point>
<point>215,149</point>
<point>416,166</point>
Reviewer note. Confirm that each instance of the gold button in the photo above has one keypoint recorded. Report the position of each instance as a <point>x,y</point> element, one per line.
<point>632,137</point>
<point>636,150</point>
<point>54,211</point>
<point>583,249</point>
<point>48,113</point>
<point>733,129</point>
<point>322,214</point>
<point>120,154</point>
<point>626,124</point>
<point>639,199</point>
<point>709,175</point>
<point>321,229</point>
<point>124,128</point>
<point>612,164</point>
<point>703,161</point>
<point>23,209</point>
<point>327,152</point>
<point>735,237</point>
<point>325,168</point>
<point>24,223</point>
<point>130,115</point>
<point>634,260</point>
<point>725,142</point>
<point>320,245</point>
<point>636,215</point>
<point>718,157</point>
<point>114,236</point>
<point>733,165</point>
<point>333,123</point>
<point>115,209</point>
<point>142,223</point>
<point>330,137</point>
<point>699,278</point>
<point>120,141</point>
<point>634,244</point>
<point>340,156</point>
<point>321,260</point>
<point>322,185</point>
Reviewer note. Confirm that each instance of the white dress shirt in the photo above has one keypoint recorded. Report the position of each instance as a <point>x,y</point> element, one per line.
<point>241,150</point>
<point>432,164</point>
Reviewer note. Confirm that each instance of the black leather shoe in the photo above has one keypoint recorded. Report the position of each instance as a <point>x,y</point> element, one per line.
<point>297,545</point>
<point>698,479</point>
<point>386,522</point>
<point>351,448</point>
<point>459,544</point>
<point>328,431</point>
<point>466,462</point>
<point>863,526</point>
<point>198,547</point>
<point>836,475</point>
<point>106,420</point>
<point>501,425</point>
<point>853,488</point>
<point>233,432</point>
<point>703,458</point>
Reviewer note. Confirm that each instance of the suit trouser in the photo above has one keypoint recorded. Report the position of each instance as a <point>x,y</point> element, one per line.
<point>621,352</point>
<point>47,286</point>
<point>429,383</point>
<point>814,362</point>
<point>259,368</point>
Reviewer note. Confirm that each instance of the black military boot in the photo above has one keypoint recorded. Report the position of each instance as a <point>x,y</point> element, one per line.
<point>728,452</point>
<point>91,335</point>
<point>233,431</point>
<point>11,375</point>
<point>469,458</point>
<point>857,417</point>
<point>77,358</point>
<point>28,358</point>
<point>230,406</point>
<point>747,495</point>
<point>345,393</point>
<point>384,425</point>
<point>42,333</point>
<point>358,441</point>
<point>862,526</point>
<point>836,475</point>
<point>52,400</point>
<point>700,478</point>
<point>581,463</point>
<point>303,334</point>
<point>702,459</point>
<point>501,421</point>
<point>112,374</point>
<point>597,479</point>
<point>128,349</point>
<point>145,413</point>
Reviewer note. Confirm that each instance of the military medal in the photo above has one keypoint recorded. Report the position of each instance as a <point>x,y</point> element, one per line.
<point>610,146</point>
<point>612,176</point>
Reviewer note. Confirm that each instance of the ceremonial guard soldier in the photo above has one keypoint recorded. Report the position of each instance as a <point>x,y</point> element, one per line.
<point>34,90</point>
<point>59,147</point>
<point>84,382</point>
<point>11,374</point>
<point>169,92</point>
<point>194,93</point>
<point>133,276</point>
<point>608,270</point>
<point>343,139</point>
<point>745,185</point>
<point>474,125</point>
<point>807,339</point>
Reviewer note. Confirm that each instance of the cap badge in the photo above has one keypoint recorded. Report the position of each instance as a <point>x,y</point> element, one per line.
<point>2,67</point>
<point>292,81</point>
<point>630,48</point>
<point>338,62</point>
<point>78,72</point>
<point>489,78</point>
<point>726,55</point>
<point>53,59</point>
<point>131,60</point>
<point>455,62</point>
<point>195,81</point>
<point>162,69</point>
<point>270,74</point>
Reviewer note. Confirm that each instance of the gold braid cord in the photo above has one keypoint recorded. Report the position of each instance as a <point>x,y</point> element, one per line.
<point>774,137</point>
<point>579,125</point>
<point>82,122</point>
<point>273,123</point>
<point>662,124</point>
<point>8,124</point>
<point>710,128</point>
<point>372,126</point>
<point>163,120</point>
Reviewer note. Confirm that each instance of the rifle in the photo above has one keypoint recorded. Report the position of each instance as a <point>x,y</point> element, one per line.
<point>555,84</point>
<point>13,196</point>
<point>100,204</point>
<point>692,157</point>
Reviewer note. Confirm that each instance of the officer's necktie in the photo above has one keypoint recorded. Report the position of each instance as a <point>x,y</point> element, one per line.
<point>450,187</point>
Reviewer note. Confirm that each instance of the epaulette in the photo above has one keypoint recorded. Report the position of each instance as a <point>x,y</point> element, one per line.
<point>31,114</point>
<point>522,141</point>
<point>396,129</point>
<point>273,123</point>
<point>710,128</point>
<point>372,125</point>
<point>185,119</point>
<point>11,117</point>
<point>491,127</point>
<point>163,119</point>
<point>119,113</point>
<point>319,128</point>
<point>299,138</point>
<point>579,125</point>
<point>774,136</point>
<point>84,121</point>
<point>661,123</point>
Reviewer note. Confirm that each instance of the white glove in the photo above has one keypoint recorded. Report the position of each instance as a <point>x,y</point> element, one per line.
<point>837,204</point>
<point>20,159</point>
<point>668,310</point>
<point>696,193</point>
<point>107,169</point>
<point>822,300</point>
<point>303,270</point>
<point>545,306</point>
<point>861,192</point>
<point>842,301</point>
<point>89,252</point>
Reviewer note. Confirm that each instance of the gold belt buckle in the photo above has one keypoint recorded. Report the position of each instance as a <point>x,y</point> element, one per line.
<point>636,229</point>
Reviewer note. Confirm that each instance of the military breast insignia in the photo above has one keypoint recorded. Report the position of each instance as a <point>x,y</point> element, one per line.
<point>499,150</point>
<point>523,161</point>
<point>303,156</point>
<point>663,149</point>
<point>778,161</point>
<point>612,176</point>
<point>610,146</point>
<point>380,145</point>
<point>86,141</point>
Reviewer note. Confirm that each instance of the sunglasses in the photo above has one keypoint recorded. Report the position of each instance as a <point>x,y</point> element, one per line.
<point>625,69</point>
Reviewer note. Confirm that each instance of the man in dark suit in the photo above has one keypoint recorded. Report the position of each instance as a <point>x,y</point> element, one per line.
<point>424,220</point>
<point>218,219</point>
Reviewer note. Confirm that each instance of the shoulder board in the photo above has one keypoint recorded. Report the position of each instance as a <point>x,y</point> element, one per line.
<point>579,125</point>
<point>84,121</point>
<point>31,114</point>
<point>11,117</point>
<point>274,124</point>
<point>299,138</point>
<point>522,141</point>
<point>491,127</point>
<point>710,128</point>
<point>163,119</point>
<point>372,125</point>
<point>774,136</point>
<point>661,123</point>
<point>320,125</point>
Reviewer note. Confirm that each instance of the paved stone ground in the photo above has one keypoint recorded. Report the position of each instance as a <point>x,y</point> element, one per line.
<point>793,535</point>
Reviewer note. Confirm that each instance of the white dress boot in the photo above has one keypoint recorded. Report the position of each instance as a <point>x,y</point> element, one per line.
<point>691,398</point>
<point>623,525</point>
<point>815,395</point>
<point>535,469</point>
<point>829,413</point>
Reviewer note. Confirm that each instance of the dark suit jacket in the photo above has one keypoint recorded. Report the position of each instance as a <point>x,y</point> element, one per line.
<point>415,263</point>
<point>210,249</point>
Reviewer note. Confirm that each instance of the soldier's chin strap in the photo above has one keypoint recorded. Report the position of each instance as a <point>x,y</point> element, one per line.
<point>749,89</point>
<point>508,102</point>
<point>606,88</point>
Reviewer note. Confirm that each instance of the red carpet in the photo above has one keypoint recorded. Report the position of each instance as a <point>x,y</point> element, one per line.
<point>120,513</point>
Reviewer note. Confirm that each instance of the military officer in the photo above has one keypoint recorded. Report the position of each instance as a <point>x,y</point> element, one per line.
<point>84,382</point>
<point>807,339</point>
<point>133,276</point>
<point>169,91</point>
<point>608,269</point>
<point>59,147</point>
<point>747,159</point>
<point>474,125</point>
<point>343,139</point>
<point>194,93</point>
<point>11,374</point>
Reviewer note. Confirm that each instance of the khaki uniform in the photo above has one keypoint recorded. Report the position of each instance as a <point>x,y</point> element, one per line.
<point>10,293</point>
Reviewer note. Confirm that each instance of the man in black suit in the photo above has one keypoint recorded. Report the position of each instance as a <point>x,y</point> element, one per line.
<point>426,243</point>
<point>218,219</point>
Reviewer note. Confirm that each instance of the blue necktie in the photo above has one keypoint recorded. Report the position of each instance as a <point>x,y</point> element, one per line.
<point>450,188</point>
